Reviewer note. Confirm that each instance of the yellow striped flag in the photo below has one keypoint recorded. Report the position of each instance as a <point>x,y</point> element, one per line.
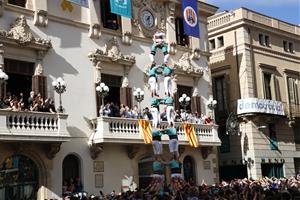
<point>66,5</point>
<point>145,130</point>
<point>190,134</point>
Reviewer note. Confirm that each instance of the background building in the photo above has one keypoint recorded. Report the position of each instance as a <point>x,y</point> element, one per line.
<point>41,40</point>
<point>256,72</point>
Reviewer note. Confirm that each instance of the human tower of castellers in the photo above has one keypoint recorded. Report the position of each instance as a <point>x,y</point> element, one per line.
<point>177,182</point>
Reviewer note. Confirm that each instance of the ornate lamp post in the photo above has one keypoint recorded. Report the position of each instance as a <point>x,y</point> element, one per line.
<point>212,104</point>
<point>60,87</point>
<point>184,101</point>
<point>139,97</point>
<point>102,90</point>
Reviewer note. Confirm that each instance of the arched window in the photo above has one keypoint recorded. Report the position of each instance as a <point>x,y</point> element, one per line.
<point>145,171</point>
<point>71,174</point>
<point>18,178</point>
<point>189,169</point>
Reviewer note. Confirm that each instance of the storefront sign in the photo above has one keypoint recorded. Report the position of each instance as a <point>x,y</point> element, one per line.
<point>254,105</point>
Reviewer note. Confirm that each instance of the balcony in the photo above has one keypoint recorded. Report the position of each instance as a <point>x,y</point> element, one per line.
<point>33,126</point>
<point>124,130</point>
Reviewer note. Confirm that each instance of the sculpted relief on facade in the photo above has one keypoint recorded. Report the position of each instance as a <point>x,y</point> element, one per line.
<point>21,34</point>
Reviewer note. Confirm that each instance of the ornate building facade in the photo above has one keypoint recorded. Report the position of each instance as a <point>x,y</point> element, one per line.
<point>41,40</point>
<point>255,75</point>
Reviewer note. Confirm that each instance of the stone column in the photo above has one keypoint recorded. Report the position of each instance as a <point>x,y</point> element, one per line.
<point>170,27</point>
<point>195,100</point>
<point>94,31</point>
<point>98,72</point>
<point>40,13</point>
<point>39,81</point>
<point>125,91</point>
<point>2,84</point>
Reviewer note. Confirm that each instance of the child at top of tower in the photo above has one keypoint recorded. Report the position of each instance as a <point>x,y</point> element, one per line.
<point>159,41</point>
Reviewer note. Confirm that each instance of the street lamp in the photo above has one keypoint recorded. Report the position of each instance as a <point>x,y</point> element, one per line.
<point>102,91</point>
<point>211,104</point>
<point>184,101</point>
<point>139,97</point>
<point>3,76</point>
<point>60,87</point>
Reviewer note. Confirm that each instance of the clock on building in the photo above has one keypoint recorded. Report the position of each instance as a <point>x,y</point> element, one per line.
<point>148,21</point>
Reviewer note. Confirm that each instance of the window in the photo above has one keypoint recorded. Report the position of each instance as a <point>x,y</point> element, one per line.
<point>21,3</point>
<point>261,39</point>
<point>291,47</point>
<point>180,91</point>
<point>285,46</point>
<point>181,38</point>
<point>288,46</point>
<point>20,77</point>
<point>267,41</point>
<point>273,137</point>
<point>212,44</point>
<point>18,178</point>
<point>220,41</point>
<point>293,90</point>
<point>272,170</point>
<point>264,40</point>
<point>71,172</point>
<point>109,19</point>
<point>219,93</point>
<point>113,97</point>
<point>189,169</point>
<point>267,82</point>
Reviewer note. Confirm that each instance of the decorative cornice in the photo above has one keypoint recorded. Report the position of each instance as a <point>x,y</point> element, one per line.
<point>52,149</point>
<point>111,53</point>
<point>184,64</point>
<point>20,34</point>
<point>95,150</point>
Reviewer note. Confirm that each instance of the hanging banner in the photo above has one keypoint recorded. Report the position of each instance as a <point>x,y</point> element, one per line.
<point>83,3</point>
<point>145,130</point>
<point>190,18</point>
<point>121,7</point>
<point>190,134</point>
<point>255,105</point>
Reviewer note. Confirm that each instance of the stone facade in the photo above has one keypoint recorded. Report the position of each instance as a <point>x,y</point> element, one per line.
<point>245,45</point>
<point>73,44</point>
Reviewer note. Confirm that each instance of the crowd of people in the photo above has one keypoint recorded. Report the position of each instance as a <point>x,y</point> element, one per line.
<point>112,110</point>
<point>35,102</point>
<point>238,189</point>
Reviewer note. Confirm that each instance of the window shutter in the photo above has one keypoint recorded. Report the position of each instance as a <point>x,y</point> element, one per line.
<point>126,96</point>
<point>39,85</point>
<point>277,89</point>
<point>291,90</point>
<point>196,104</point>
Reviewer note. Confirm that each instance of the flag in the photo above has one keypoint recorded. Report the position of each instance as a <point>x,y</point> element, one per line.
<point>145,130</point>
<point>190,18</point>
<point>121,7</point>
<point>84,3</point>
<point>66,5</point>
<point>190,134</point>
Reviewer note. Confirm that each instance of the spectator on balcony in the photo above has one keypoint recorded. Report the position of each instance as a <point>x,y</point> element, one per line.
<point>135,112</point>
<point>177,116</point>
<point>122,110</point>
<point>114,110</point>
<point>127,112</point>
<point>106,110</point>
<point>37,105</point>
<point>31,98</point>
<point>147,114</point>
<point>163,115</point>
<point>49,106</point>
<point>78,185</point>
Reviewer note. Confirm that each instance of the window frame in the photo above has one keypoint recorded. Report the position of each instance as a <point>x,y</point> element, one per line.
<point>268,69</point>
<point>104,15</point>
<point>264,40</point>
<point>220,41</point>
<point>212,44</point>
<point>179,33</point>
<point>16,3</point>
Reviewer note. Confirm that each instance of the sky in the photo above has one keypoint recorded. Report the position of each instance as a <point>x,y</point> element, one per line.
<point>286,10</point>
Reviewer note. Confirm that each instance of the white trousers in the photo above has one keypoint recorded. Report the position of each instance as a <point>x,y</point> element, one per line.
<point>168,85</point>
<point>170,115</point>
<point>173,145</point>
<point>157,147</point>
<point>153,84</point>
<point>156,117</point>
